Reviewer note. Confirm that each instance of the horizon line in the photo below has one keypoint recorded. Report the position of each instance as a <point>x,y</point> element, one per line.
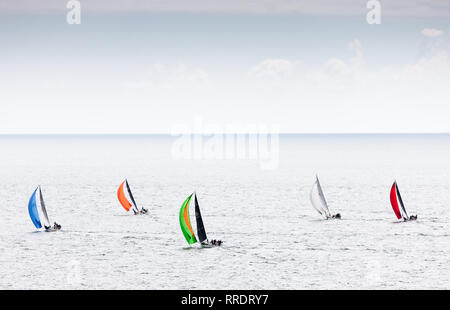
<point>228,133</point>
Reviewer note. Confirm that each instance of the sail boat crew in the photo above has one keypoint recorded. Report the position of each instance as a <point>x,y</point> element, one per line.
<point>215,242</point>
<point>56,226</point>
<point>142,211</point>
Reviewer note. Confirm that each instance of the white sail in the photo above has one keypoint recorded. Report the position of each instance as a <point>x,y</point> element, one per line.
<point>318,199</point>
<point>43,209</point>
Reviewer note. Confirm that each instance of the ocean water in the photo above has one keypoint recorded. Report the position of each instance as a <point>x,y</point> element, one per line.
<point>273,237</point>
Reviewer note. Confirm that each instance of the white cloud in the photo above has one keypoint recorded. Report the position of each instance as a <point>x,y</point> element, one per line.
<point>432,33</point>
<point>342,94</point>
<point>355,96</point>
<point>430,69</point>
<point>336,66</point>
<point>165,76</point>
<point>331,74</point>
<point>433,66</point>
<point>274,68</point>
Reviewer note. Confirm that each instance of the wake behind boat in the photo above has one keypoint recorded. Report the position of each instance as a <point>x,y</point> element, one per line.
<point>34,214</point>
<point>398,205</point>
<point>186,228</point>
<point>319,202</point>
<point>126,204</point>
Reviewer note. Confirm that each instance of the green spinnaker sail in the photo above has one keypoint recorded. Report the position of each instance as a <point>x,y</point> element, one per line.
<point>185,222</point>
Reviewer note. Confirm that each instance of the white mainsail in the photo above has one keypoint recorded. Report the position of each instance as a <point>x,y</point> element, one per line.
<point>318,199</point>
<point>43,209</point>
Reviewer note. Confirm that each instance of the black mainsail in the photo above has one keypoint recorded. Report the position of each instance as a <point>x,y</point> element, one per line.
<point>201,233</point>
<point>401,201</point>
<point>131,195</point>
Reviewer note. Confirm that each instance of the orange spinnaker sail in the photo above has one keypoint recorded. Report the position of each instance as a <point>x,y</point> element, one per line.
<point>122,198</point>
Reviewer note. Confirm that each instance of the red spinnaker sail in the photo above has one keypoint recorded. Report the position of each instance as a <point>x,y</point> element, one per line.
<point>394,202</point>
<point>122,198</point>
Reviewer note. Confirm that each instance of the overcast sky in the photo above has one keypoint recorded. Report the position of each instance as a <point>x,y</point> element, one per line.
<point>317,7</point>
<point>149,66</point>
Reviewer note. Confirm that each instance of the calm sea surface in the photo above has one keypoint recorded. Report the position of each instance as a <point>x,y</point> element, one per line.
<point>274,239</point>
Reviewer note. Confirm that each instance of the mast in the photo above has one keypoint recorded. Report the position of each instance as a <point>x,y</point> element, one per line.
<point>201,233</point>
<point>131,195</point>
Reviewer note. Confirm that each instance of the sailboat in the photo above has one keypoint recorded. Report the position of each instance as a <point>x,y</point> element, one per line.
<point>124,201</point>
<point>185,223</point>
<point>398,205</point>
<point>34,214</point>
<point>319,202</point>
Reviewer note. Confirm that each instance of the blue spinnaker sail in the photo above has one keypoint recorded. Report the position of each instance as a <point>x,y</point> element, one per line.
<point>32,209</point>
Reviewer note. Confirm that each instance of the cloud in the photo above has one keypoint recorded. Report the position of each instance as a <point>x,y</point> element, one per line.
<point>432,68</point>
<point>341,94</point>
<point>355,96</point>
<point>333,69</point>
<point>413,84</point>
<point>274,68</point>
<point>432,33</point>
<point>432,43</point>
<point>171,76</point>
<point>336,66</point>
